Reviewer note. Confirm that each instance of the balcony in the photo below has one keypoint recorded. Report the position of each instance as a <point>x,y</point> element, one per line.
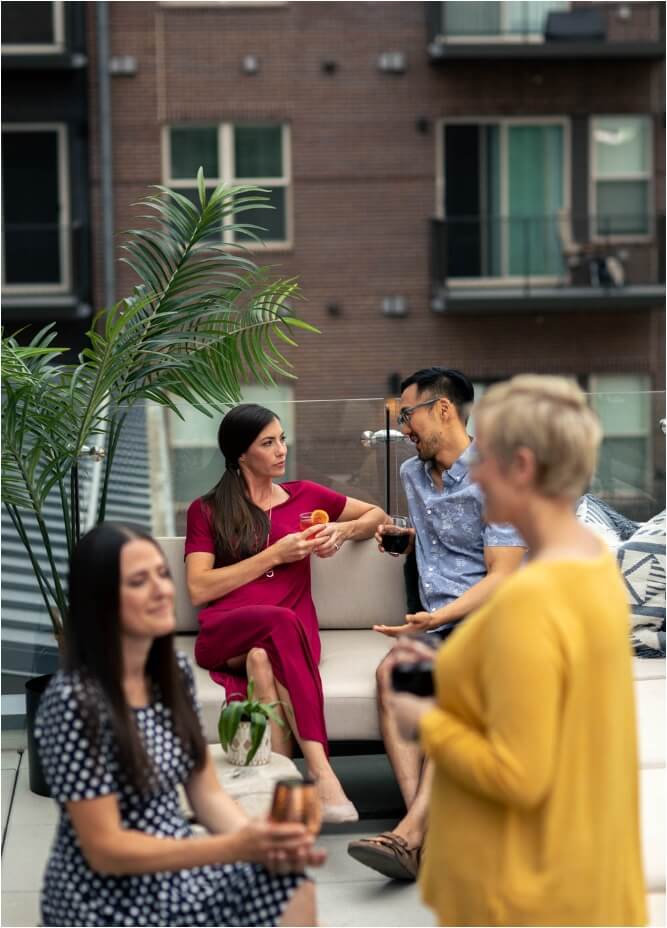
<point>544,30</point>
<point>483,264</point>
<point>46,271</point>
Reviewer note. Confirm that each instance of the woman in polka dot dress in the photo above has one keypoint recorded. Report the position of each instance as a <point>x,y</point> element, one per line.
<point>118,731</point>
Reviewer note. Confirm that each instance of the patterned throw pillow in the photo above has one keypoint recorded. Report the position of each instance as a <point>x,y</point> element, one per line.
<point>601,518</point>
<point>642,562</point>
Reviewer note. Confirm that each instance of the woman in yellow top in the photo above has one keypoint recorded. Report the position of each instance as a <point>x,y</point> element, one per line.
<point>534,814</point>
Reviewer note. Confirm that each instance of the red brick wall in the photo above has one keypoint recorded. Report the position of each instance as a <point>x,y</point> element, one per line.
<point>364,176</point>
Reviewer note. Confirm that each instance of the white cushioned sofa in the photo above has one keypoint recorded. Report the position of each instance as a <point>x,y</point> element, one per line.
<point>361,587</point>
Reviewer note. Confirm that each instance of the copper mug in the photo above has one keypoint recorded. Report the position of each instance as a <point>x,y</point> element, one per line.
<point>297,801</point>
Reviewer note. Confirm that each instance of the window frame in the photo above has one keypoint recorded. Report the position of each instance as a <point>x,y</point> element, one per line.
<point>593,180</point>
<point>504,122</point>
<point>64,221</point>
<point>593,390</point>
<point>34,48</point>
<point>502,38</point>
<point>227,171</point>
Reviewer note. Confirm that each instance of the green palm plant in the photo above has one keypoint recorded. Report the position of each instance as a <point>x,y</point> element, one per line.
<point>203,319</point>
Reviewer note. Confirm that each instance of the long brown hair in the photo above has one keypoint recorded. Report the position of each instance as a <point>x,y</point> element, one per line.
<point>93,649</point>
<point>240,527</point>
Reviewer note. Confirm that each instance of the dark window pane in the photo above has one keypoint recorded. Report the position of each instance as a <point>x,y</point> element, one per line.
<point>192,149</point>
<point>258,151</point>
<point>31,207</point>
<point>622,207</point>
<point>27,23</point>
<point>271,220</point>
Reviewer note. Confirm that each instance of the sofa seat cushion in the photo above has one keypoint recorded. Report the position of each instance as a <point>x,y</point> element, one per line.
<point>643,669</point>
<point>209,694</point>
<point>347,667</point>
<point>650,705</point>
<point>652,800</point>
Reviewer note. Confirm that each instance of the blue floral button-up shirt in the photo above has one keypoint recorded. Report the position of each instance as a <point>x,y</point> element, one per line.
<point>451,531</point>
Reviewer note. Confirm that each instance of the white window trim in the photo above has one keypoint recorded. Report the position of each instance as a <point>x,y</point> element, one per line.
<point>227,175</point>
<point>505,280</point>
<point>64,221</point>
<point>645,175</point>
<point>503,38</point>
<point>593,391</point>
<point>44,48</point>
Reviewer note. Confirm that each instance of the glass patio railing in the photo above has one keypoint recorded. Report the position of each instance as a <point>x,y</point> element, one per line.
<point>352,445</point>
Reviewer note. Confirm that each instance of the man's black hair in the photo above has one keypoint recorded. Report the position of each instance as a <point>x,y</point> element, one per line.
<point>444,381</point>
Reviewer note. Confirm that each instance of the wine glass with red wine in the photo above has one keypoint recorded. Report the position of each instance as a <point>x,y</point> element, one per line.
<point>396,535</point>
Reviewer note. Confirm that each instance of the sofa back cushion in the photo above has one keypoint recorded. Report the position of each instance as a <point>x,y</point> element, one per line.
<point>357,588</point>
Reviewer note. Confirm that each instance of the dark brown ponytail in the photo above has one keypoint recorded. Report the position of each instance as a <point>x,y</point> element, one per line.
<point>240,527</point>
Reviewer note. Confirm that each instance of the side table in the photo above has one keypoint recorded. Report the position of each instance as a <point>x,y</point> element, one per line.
<point>252,787</point>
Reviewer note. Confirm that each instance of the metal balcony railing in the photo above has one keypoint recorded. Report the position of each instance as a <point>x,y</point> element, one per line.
<point>559,249</point>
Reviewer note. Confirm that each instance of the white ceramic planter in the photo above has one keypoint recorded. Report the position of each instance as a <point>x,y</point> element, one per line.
<point>238,749</point>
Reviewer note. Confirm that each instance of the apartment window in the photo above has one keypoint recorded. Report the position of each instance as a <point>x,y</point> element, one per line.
<point>236,154</point>
<point>623,403</point>
<point>467,20</point>
<point>501,187</point>
<point>35,215</point>
<point>32,28</point>
<point>621,172</point>
<point>196,462</point>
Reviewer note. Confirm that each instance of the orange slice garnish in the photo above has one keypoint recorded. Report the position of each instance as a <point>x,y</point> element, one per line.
<point>319,517</point>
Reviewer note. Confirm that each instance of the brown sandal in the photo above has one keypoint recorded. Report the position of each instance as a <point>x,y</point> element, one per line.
<point>387,853</point>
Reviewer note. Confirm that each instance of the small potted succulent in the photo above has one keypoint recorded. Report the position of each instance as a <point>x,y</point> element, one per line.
<point>244,730</point>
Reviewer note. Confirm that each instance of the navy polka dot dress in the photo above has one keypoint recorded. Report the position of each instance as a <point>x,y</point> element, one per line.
<point>75,769</point>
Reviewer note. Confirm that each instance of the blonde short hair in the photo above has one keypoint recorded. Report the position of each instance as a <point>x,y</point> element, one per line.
<point>551,417</point>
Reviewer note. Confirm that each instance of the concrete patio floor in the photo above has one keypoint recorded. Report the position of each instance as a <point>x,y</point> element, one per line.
<point>348,894</point>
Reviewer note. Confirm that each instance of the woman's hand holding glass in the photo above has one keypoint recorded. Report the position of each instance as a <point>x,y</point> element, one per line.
<point>297,545</point>
<point>329,540</point>
<point>280,847</point>
<point>407,710</point>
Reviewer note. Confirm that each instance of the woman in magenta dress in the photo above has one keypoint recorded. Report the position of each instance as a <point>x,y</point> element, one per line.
<point>248,565</point>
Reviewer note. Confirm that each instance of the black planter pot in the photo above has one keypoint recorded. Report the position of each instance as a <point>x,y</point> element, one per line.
<point>34,689</point>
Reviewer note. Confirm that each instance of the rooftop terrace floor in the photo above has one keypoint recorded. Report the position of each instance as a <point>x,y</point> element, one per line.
<point>348,894</point>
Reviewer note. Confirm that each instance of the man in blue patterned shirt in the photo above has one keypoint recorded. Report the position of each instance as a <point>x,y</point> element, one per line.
<point>461,560</point>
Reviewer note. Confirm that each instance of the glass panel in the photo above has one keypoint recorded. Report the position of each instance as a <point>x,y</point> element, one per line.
<point>271,222</point>
<point>535,177</point>
<point>622,466</point>
<point>28,23</point>
<point>472,18</point>
<point>530,16</point>
<point>622,145</point>
<point>623,403</point>
<point>31,207</point>
<point>258,151</point>
<point>622,207</point>
<point>192,148</point>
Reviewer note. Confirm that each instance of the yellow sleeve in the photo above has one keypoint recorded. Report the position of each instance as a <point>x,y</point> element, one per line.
<point>510,757</point>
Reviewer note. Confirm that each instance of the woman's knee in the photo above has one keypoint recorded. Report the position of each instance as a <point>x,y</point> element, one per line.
<point>382,672</point>
<point>257,662</point>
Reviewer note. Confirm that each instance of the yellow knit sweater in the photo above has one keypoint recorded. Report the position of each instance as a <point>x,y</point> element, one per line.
<point>534,815</point>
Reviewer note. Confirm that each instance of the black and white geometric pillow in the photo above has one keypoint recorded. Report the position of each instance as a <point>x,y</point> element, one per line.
<point>601,517</point>
<point>642,562</point>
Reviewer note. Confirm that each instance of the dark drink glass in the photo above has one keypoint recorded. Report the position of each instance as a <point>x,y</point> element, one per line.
<point>297,801</point>
<point>396,535</point>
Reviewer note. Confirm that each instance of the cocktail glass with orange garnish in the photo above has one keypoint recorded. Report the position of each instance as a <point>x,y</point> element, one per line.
<point>316,517</point>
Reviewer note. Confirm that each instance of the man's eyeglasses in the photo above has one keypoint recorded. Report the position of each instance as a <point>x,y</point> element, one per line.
<point>404,416</point>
